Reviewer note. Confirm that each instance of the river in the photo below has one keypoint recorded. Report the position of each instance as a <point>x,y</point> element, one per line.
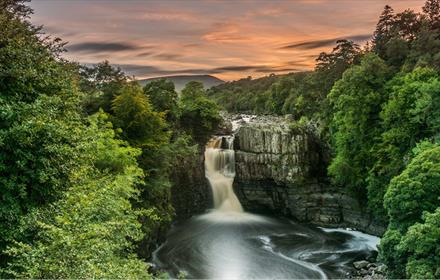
<point>228,243</point>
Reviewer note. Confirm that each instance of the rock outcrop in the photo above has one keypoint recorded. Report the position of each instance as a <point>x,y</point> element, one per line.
<point>281,168</point>
<point>190,192</point>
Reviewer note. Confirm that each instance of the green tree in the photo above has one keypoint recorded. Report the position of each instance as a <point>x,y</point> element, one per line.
<point>39,123</point>
<point>88,232</point>
<point>425,49</point>
<point>163,97</point>
<point>407,248</point>
<point>15,8</point>
<point>134,114</point>
<point>29,64</point>
<point>415,190</point>
<point>383,33</point>
<point>198,115</point>
<point>100,83</point>
<point>330,66</point>
<point>58,170</point>
<point>37,155</point>
<point>404,29</point>
<point>422,244</point>
<point>356,100</point>
<point>147,129</point>
<point>411,114</point>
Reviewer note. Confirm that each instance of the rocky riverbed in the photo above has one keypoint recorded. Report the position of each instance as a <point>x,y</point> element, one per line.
<point>368,269</point>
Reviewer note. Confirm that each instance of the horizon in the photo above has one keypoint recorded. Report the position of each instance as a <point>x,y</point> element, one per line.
<point>227,40</point>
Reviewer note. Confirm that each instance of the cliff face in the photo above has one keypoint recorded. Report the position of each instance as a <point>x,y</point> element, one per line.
<point>190,192</point>
<point>282,169</point>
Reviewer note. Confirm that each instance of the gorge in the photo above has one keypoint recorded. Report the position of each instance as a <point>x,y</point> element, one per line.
<point>229,243</point>
<point>224,140</point>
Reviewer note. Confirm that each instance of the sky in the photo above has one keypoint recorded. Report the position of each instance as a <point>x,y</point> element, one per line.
<point>225,38</point>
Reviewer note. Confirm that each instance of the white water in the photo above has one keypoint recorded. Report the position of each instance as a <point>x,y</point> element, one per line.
<point>220,172</point>
<point>359,240</point>
<point>228,243</point>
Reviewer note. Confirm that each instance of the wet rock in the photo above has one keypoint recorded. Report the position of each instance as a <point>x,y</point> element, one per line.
<point>381,269</point>
<point>367,270</point>
<point>360,264</point>
<point>371,266</point>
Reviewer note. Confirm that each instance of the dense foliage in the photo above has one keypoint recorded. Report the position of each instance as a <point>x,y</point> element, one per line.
<point>85,158</point>
<point>88,232</point>
<point>198,115</point>
<point>411,245</point>
<point>373,106</point>
<point>356,102</point>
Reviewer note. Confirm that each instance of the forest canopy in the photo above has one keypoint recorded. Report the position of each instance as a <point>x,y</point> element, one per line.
<point>82,186</point>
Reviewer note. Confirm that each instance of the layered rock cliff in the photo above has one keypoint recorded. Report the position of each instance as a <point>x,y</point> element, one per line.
<point>190,192</point>
<point>282,168</point>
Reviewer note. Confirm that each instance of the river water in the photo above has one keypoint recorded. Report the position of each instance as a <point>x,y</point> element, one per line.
<point>228,243</point>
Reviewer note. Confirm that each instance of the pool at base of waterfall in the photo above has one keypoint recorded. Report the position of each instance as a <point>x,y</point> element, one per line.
<point>230,245</point>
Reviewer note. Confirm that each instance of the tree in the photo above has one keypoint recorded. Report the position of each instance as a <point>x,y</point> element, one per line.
<point>409,247</point>
<point>15,8</point>
<point>410,115</point>
<point>147,129</point>
<point>422,244</point>
<point>66,183</point>
<point>432,10</point>
<point>356,100</point>
<point>37,155</point>
<point>425,49</point>
<point>134,114</point>
<point>342,56</point>
<point>383,33</point>
<point>100,83</point>
<point>88,232</point>
<point>29,63</point>
<point>407,24</point>
<point>198,115</point>
<point>163,97</point>
<point>415,190</point>
<point>38,120</point>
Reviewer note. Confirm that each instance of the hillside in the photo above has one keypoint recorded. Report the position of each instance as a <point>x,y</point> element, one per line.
<point>246,95</point>
<point>181,80</point>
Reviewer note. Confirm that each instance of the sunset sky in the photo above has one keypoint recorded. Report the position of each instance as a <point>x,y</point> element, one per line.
<point>228,39</point>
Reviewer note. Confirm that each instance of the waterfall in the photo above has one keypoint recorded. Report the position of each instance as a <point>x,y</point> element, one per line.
<point>220,172</point>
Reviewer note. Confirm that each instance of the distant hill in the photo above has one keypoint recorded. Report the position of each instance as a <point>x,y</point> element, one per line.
<point>181,80</point>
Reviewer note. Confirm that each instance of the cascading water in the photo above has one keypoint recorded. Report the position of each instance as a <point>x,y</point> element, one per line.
<point>228,243</point>
<point>220,172</point>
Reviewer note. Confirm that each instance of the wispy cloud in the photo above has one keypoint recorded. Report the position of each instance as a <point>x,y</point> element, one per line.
<point>168,56</point>
<point>308,45</point>
<point>145,54</point>
<point>229,39</point>
<point>151,71</point>
<point>102,47</point>
<point>168,16</point>
<point>225,33</point>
